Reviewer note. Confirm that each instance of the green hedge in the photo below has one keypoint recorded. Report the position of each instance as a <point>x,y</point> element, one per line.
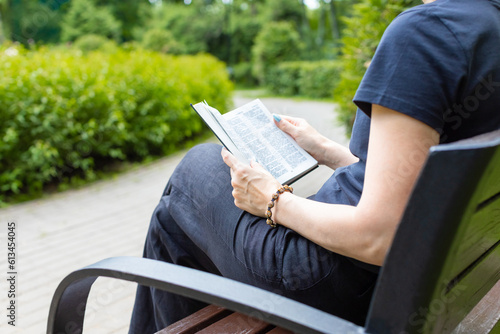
<point>242,75</point>
<point>64,113</point>
<point>312,79</point>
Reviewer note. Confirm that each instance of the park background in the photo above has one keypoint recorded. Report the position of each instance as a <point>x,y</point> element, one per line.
<point>88,87</point>
<point>94,117</point>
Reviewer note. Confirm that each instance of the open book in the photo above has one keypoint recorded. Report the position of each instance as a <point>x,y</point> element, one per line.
<point>249,132</point>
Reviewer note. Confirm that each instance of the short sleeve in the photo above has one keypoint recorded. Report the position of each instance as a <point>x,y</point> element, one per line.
<point>418,69</point>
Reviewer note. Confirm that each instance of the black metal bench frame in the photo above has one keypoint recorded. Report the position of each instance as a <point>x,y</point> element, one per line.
<point>444,259</point>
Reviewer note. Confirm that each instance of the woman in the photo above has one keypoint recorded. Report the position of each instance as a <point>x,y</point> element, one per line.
<point>435,78</point>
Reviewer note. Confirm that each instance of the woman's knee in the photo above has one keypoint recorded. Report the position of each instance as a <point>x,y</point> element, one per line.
<point>202,164</point>
<point>202,153</point>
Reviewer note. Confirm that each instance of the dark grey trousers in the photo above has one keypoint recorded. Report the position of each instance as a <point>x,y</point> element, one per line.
<point>197,225</point>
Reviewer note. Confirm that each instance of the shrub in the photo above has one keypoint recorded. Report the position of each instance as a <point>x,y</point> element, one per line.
<point>161,40</point>
<point>93,42</point>
<point>361,36</point>
<point>318,79</point>
<point>283,79</point>
<point>312,79</point>
<point>275,43</point>
<point>65,114</point>
<point>242,74</point>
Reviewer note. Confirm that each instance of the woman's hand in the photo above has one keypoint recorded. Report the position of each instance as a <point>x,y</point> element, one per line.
<point>324,150</point>
<point>253,186</point>
<point>304,134</point>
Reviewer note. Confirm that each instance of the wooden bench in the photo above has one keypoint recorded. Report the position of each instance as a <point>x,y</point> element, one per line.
<point>443,264</point>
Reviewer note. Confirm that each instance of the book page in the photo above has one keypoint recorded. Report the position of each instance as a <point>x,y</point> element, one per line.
<point>215,122</point>
<point>260,139</point>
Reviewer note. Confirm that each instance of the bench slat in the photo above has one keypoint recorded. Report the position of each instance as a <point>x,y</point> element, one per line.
<point>279,330</point>
<point>469,267</point>
<point>484,316</point>
<point>216,319</point>
<point>237,323</point>
<point>453,306</point>
<point>482,233</point>
<point>482,230</point>
<point>196,321</point>
<point>492,173</point>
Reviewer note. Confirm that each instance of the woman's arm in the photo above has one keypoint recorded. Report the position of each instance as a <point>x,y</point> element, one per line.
<point>325,151</point>
<point>397,149</point>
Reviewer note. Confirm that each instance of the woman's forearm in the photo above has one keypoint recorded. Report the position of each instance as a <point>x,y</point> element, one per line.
<point>326,151</point>
<point>399,145</point>
<point>335,155</point>
<point>343,229</point>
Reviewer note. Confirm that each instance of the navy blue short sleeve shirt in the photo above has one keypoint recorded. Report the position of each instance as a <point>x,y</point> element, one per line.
<point>438,63</point>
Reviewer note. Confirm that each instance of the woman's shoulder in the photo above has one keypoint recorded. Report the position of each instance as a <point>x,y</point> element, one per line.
<point>454,14</point>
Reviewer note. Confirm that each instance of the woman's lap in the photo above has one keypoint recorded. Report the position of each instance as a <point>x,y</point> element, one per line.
<point>196,224</point>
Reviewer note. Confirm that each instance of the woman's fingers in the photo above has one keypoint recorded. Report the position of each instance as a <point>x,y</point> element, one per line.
<point>288,125</point>
<point>237,169</point>
<point>228,158</point>
<point>252,185</point>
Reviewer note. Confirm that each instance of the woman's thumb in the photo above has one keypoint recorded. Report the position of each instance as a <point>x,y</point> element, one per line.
<point>283,124</point>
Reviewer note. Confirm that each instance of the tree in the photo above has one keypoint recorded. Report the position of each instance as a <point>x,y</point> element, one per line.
<point>84,17</point>
<point>285,10</point>
<point>243,26</point>
<point>196,27</point>
<point>128,13</point>
<point>40,22</point>
<point>161,40</point>
<point>3,32</point>
<point>2,36</point>
<point>10,10</point>
<point>31,20</point>
<point>275,43</point>
<point>334,21</point>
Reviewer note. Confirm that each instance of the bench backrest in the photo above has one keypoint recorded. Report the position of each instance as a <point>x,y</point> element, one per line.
<point>446,252</point>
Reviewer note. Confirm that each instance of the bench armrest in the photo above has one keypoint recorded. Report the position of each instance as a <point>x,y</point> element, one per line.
<point>67,310</point>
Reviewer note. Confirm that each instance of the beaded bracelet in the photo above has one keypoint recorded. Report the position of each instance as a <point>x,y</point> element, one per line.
<point>275,197</point>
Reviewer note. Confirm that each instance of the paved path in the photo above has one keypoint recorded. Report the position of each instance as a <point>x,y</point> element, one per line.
<point>69,230</point>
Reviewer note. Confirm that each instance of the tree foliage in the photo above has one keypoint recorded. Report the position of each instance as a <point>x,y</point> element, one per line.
<point>41,21</point>
<point>363,31</point>
<point>85,17</point>
<point>161,40</point>
<point>250,36</point>
<point>128,12</point>
<point>284,10</point>
<point>29,21</point>
<point>275,43</point>
<point>242,30</point>
<point>195,26</point>
<point>305,78</point>
<point>226,29</point>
